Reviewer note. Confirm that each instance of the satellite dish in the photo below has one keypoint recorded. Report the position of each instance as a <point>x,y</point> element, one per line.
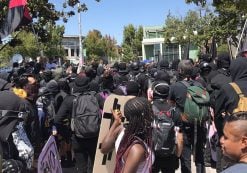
<point>17,58</point>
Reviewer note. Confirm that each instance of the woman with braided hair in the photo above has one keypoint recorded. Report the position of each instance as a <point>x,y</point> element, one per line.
<point>132,140</point>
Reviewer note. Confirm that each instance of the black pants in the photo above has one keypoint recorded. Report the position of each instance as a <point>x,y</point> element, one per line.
<point>188,138</point>
<point>165,164</point>
<point>85,150</point>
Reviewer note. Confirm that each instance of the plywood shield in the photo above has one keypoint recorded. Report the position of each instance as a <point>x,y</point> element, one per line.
<point>105,163</point>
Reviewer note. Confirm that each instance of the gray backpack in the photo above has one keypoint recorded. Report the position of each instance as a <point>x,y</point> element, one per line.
<point>86,117</point>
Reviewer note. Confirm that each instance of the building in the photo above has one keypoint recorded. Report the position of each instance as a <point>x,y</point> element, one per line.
<point>70,44</point>
<point>154,48</point>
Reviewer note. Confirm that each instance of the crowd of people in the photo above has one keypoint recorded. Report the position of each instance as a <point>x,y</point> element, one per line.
<point>41,99</point>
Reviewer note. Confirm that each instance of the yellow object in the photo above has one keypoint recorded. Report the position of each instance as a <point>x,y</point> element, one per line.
<point>20,92</point>
<point>242,103</point>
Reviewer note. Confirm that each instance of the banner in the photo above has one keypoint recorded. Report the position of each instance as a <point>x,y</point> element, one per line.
<point>49,160</point>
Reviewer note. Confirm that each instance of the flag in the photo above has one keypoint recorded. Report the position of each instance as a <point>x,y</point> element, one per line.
<point>213,48</point>
<point>18,15</point>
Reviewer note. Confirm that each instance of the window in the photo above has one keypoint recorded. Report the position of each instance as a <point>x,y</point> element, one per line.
<point>171,52</point>
<point>66,52</point>
<point>77,52</point>
<point>72,52</point>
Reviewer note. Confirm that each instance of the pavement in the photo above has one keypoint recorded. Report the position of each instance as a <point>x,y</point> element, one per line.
<point>208,169</point>
<point>77,169</point>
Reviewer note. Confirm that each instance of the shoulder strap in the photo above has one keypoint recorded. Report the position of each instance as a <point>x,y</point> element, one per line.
<point>155,109</point>
<point>237,89</point>
<point>13,114</point>
<point>76,95</point>
<point>93,93</point>
<point>185,83</point>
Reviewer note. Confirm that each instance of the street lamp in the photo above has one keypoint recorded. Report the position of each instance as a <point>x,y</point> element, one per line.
<point>80,8</point>
<point>81,59</point>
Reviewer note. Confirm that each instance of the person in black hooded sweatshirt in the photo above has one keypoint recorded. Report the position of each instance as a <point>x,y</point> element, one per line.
<point>227,99</point>
<point>84,148</point>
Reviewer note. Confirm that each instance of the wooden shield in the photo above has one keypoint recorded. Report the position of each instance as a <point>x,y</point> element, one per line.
<point>105,163</point>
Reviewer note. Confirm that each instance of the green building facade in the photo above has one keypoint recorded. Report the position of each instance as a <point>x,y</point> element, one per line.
<point>154,48</point>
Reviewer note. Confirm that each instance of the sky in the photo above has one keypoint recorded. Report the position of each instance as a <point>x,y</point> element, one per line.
<point>110,16</point>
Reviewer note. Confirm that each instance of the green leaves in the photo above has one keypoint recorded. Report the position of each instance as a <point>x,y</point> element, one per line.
<point>132,42</point>
<point>98,46</point>
<point>228,18</point>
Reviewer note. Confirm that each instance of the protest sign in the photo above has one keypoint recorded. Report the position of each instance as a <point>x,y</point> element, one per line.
<point>105,163</point>
<point>49,160</point>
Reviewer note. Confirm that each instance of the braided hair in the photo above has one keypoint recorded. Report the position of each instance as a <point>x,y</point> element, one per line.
<point>139,115</point>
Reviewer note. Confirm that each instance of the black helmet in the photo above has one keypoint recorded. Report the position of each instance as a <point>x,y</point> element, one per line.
<point>135,66</point>
<point>205,66</point>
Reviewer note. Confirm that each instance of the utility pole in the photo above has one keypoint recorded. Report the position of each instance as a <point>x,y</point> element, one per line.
<point>81,58</point>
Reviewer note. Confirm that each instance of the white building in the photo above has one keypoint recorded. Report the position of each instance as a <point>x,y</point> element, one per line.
<point>153,46</point>
<point>70,44</point>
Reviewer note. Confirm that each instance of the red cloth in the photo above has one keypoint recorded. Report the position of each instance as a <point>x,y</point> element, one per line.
<point>16,3</point>
<point>18,15</point>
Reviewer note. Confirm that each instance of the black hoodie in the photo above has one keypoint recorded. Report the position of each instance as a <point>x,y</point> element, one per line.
<point>227,100</point>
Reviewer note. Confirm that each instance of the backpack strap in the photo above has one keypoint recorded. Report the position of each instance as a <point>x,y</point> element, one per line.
<point>76,95</point>
<point>237,89</point>
<point>195,140</point>
<point>13,114</point>
<point>155,109</point>
<point>185,83</point>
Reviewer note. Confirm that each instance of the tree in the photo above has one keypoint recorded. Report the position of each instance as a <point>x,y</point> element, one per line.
<point>132,41</point>
<point>138,41</point>
<point>174,29</point>
<point>54,46</point>
<point>43,12</point>
<point>194,28</point>
<point>109,46</point>
<point>129,34</point>
<point>93,44</point>
<point>231,15</point>
<point>27,46</point>
<point>98,46</point>
<point>128,54</point>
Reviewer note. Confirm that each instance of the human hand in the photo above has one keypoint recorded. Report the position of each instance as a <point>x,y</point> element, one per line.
<point>117,115</point>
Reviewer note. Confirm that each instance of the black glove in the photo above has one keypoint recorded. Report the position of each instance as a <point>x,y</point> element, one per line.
<point>12,166</point>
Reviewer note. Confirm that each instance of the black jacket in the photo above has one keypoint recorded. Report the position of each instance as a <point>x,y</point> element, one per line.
<point>9,101</point>
<point>227,99</point>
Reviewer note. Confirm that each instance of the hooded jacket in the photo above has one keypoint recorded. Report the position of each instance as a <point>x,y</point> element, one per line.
<point>227,99</point>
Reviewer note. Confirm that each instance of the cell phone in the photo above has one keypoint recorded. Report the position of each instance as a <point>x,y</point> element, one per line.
<point>115,104</point>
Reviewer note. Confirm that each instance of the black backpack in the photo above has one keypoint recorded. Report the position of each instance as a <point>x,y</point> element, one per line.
<point>49,108</point>
<point>133,77</point>
<point>86,117</point>
<point>59,99</point>
<point>164,137</point>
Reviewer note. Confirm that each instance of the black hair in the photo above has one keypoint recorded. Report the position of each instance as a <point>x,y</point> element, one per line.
<point>185,68</point>
<point>236,116</point>
<point>139,114</point>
